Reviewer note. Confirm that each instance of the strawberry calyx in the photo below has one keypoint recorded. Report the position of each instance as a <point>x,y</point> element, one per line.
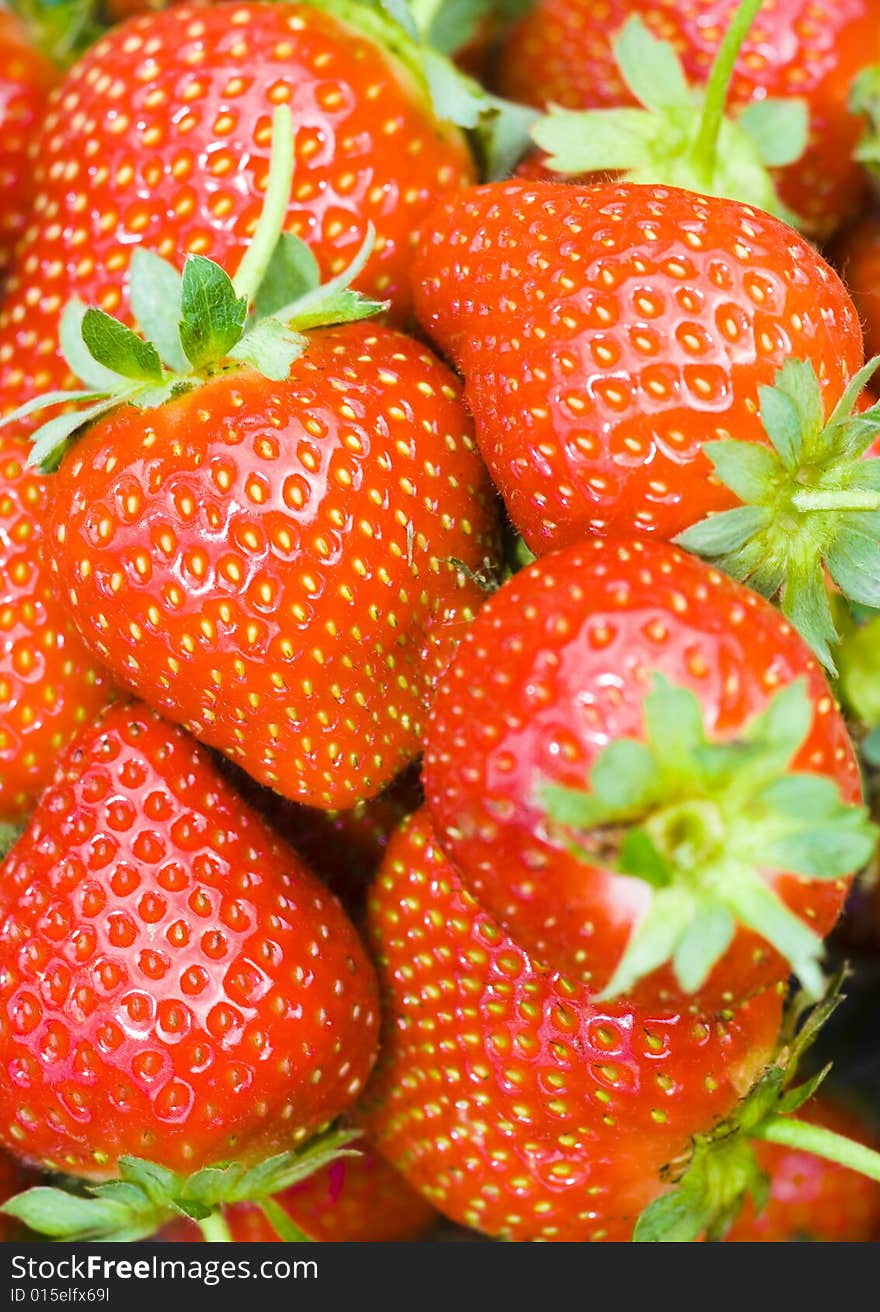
<point>810,504</point>
<point>9,835</point>
<point>864,99</point>
<point>200,322</point>
<point>720,1169</point>
<point>146,1196</point>
<point>681,136</point>
<point>420,37</point>
<point>60,29</point>
<point>701,822</point>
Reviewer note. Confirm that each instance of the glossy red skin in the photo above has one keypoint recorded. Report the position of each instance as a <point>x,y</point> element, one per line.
<point>49,684</point>
<point>172,976</point>
<point>354,1200</point>
<point>560,53</point>
<point>513,1103</point>
<point>198,82</point>
<point>239,558</point>
<point>26,78</point>
<point>574,640</point>
<point>857,255</point>
<point>811,1198</point>
<point>606,333</point>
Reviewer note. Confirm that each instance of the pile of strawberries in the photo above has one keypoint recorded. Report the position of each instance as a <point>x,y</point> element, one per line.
<point>439,616</point>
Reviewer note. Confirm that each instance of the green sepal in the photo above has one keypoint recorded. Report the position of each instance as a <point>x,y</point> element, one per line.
<point>270,347</point>
<point>291,274</point>
<point>702,823</point>
<point>77,353</point>
<point>722,1170</point>
<point>147,1196</point>
<point>811,505</point>
<point>120,350</point>
<point>662,141</point>
<point>9,836</point>
<point>156,295</point>
<point>212,315</point>
<point>864,99</point>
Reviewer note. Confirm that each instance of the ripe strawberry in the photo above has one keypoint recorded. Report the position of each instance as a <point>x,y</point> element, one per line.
<point>810,1197</point>
<point>159,136</point>
<point>616,339</point>
<point>562,53</point>
<point>26,79</point>
<point>49,684</point>
<point>633,760</point>
<point>268,574</point>
<point>174,983</point>
<point>353,1200</point>
<point>511,1099</point>
<point>857,255</point>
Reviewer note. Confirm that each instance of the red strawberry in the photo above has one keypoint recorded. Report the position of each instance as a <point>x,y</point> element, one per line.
<point>262,560</point>
<point>562,53</point>
<point>634,760</point>
<point>619,341</point>
<point>857,255</point>
<point>174,983</point>
<point>159,136</point>
<point>810,1197</point>
<point>353,1200</point>
<point>510,1099</point>
<point>49,684</point>
<point>26,78</point>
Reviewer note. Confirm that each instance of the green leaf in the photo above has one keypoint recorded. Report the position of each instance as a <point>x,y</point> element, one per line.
<point>829,851</point>
<point>756,905</point>
<point>853,561</point>
<point>595,141</point>
<point>678,1217</point>
<point>292,273</point>
<point>779,128</point>
<point>400,12</point>
<point>784,722</point>
<point>725,531</point>
<point>51,439</point>
<point>281,1172</point>
<point>871,747</point>
<point>702,945</point>
<point>37,403</point>
<point>674,726</point>
<point>157,1182</point>
<point>625,777</point>
<point>783,423</point>
<point>212,316</point>
<point>853,391</point>
<point>156,293</point>
<point>653,941</point>
<point>284,1225</point>
<point>334,301</point>
<point>456,97</point>
<point>803,797</point>
<point>77,354</point>
<point>502,136</point>
<point>270,347</point>
<point>640,857</point>
<point>119,349</point>
<point>651,68</point>
<point>751,471</point>
<point>795,1098</point>
<point>451,23</point>
<point>572,807</point>
<point>62,1215</point>
<point>804,601</point>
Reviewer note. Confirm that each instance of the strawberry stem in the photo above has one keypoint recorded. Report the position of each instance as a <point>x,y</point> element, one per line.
<point>285,1228</point>
<point>705,147</point>
<point>256,259</point>
<point>214,1229</point>
<point>815,1139</point>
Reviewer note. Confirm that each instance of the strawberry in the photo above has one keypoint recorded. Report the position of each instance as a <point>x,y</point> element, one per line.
<point>857,255</point>
<point>284,515</point>
<point>174,982</point>
<point>564,53</point>
<point>353,1200</point>
<point>648,768</point>
<point>811,1197</point>
<point>49,684</point>
<point>509,1097</point>
<point>159,136</point>
<point>26,79</point>
<point>619,341</point>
